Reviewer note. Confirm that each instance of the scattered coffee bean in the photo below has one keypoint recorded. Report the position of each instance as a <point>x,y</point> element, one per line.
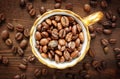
<point>19,28</point>
<point>107,31</point>
<point>20,52</point>
<point>107,24</point>
<point>4,34</point>
<point>29,6</point>
<point>114,25</point>
<point>24,61</point>
<point>22,66</point>
<point>108,15</point>
<point>23,76</point>
<point>2,17</point>
<point>114,18</point>
<point>106,50</point>
<point>42,10</point>
<point>93,35</point>
<point>57,5</point>
<point>32,12</point>
<point>97,65</point>
<point>37,73</point>
<point>69,6</point>
<point>91,29</point>
<point>117,50</point>
<point>92,52</point>
<point>9,42</point>
<point>26,33</point>
<point>112,41</point>
<point>31,58</point>
<point>14,49</point>
<point>104,42</point>
<point>103,4</point>
<point>87,8</point>
<point>44,72</point>
<point>22,3</point>
<point>19,36</point>
<point>118,56</point>
<point>99,29</point>
<point>17,77</point>
<point>10,26</point>
<point>5,61</point>
<point>23,44</point>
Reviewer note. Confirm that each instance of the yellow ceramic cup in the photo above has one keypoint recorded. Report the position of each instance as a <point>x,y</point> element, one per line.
<point>84,23</point>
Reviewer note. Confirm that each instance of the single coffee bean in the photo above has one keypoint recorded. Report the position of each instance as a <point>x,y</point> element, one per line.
<point>53,44</point>
<point>44,41</point>
<point>4,34</point>
<point>113,25</point>
<point>57,18</point>
<point>87,8</point>
<point>71,45</point>
<point>106,50</point>
<point>54,23</point>
<point>37,73</point>
<point>66,55</point>
<point>19,28</point>
<point>99,29</point>
<point>23,76</point>
<point>57,59</point>
<point>93,35</point>
<point>107,31</point>
<point>45,48</point>
<point>71,19</point>
<point>62,59</point>
<point>23,44</point>
<point>74,30</point>
<point>17,77</point>
<point>117,50</point>
<point>24,61</point>
<point>2,17</point>
<point>44,72</point>
<point>50,56</point>
<point>31,58</point>
<point>114,18</point>
<point>26,33</point>
<point>58,52</point>
<point>44,34</point>
<point>1,58</point>
<point>32,12</point>
<point>10,26</point>
<point>59,26</point>
<point>118,56</point>
<point>42,10</point>
<point>57,5</point>
<point>62,33</point>
<point>103,4</point>
<point>91,52</point>
<point>29,6</point>
<point>22,3</point>
<point>38,36</point>
<point>108,15</point>
<point>58,1</point>
<point>62,42</point>
<point>86,65</point>
<point>22,66</point>
<point>77,42</point>
<point>20,52</point>
<point>112,41</point>
<point>8,42</point>
<point>44,55</point>
<point>61,48</point>
<point>69,37</point>
<point>91,29</point>
<point>69,6</point>
<point>48,21</point>
<point>19,36</point>
<point>39,27</point>
<point>14,49</point>
<point>104,42</point>
<point>107,24</point>
<point>81,37</point>
<point>93,3</point>
<point>64,21</point>
<point>5,61</point>
<point>74,54</point>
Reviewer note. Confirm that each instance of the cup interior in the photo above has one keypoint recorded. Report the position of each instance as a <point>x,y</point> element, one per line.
<point>53,64</point>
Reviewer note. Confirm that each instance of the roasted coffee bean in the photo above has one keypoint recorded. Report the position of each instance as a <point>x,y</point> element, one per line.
<point>118,56</point>
<point>59,26</point>
<point>44,55</point>
<point>62,33</point>
<point>31,58</point>
<point>19,36</point>
<point>104,42</point>
<point>14,49</point>
<point>74,54</point>
<point>2,17</point>
<point>81,37</point>
<point>10,26</point>
<point>1,58</point>
<point>57,59</point>
<point>71,19</point>
<point>91,29</point>
<point>22,66</point>
<point>23,44</point>
<point>32,12</point>
<point>69,6</point>
<point>19,28</point>
<point>17,77</point>
<point>50,56</point>
<point>108,15</point>
<point>117,50</point>
<point>53,44</point>
<point>55,34</point>
<point>69,37</point>
<point>44,72</point>
<point>38,36</point>
<point>26,33</point>
<point>107,24</point>
<point>4,34</point>
<point>24,61</point>
<point>61,48</point>
<point>57,5</point>
<point>106,50</point>
<point>23,76</point>
<point>71,45</point>
<point>91,52</point>
<point>114,18</point>
<point>57,18</point>
<point>99,29</point>
<point>22,3</point>
<point>44,34</point>
<point>44,49</point>
<point>107,31</point>
<point>20,52</point>
<point>58,52</point>
<point>74,37</point>
<point>62,42</point>
<point>86,65</point>
<point>112,41</point>
<point>66,55</point>
<point>74,30</point>
<point>44,41</point>
<point>103,4</point>
<point>113,25</point>
<point>29,6</point>
<point>37,73</point>
<point>42,10</point>
<point>62,59</point>
<point>77,42</point>
<point>54,23</point>
<point>9,42</point>
<point>93,3</point>
<point>5,60</point>
<point>48,21</point>
<point>64,21</point>
<point>58,1</point>
<point>87,8</point>
<point>93,35</point>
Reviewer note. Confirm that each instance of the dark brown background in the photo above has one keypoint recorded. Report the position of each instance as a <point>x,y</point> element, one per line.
<point>16,15</point>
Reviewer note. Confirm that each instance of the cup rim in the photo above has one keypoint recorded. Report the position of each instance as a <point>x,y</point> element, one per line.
<point>58,65</point>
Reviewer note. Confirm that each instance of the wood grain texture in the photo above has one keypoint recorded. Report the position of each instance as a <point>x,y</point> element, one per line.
<point>16,15</point>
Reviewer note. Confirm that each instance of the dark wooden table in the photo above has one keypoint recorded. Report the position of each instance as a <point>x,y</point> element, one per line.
<point>16,15</point>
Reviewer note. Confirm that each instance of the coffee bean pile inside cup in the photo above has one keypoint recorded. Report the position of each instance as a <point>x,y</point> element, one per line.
<point>59,38</point>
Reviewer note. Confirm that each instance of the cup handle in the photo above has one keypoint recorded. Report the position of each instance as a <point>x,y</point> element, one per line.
<point>93,18</point>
